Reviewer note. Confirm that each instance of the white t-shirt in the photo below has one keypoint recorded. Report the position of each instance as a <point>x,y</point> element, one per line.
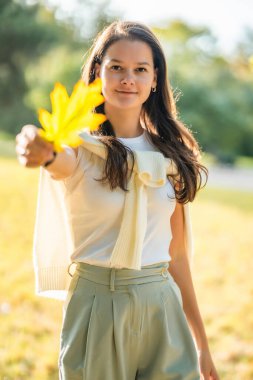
<point>96,212</point>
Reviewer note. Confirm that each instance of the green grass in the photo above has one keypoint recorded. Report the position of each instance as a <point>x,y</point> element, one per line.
<point>29,331</point>
<point>222,226</point>
<point>237,199</point>
<point>30,326</point>
<point>244,162</point>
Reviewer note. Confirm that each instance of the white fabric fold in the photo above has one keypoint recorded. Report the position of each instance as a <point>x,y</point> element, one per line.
<point>150,169</point>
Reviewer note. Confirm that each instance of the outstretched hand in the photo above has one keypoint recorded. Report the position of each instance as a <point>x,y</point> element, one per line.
<point>32,151</point>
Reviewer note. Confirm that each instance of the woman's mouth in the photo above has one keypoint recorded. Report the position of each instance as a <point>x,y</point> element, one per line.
<point>126,92</point>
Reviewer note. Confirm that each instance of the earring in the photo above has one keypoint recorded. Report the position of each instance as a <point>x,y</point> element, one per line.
<point>153,89</point>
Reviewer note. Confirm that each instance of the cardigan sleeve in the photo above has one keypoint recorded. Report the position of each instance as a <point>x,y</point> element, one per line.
<point>52,243</point>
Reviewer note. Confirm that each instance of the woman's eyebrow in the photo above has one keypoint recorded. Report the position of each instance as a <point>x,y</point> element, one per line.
<point>137,63</point>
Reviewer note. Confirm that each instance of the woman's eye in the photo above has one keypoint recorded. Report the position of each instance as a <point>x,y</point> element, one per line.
<point>141,69</point>
<point>115,67</point>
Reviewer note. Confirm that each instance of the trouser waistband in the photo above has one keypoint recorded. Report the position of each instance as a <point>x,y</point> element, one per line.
<point>115,277</point>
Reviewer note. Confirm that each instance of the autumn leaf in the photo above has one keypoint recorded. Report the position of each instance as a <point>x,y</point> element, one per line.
<point>71,114</point>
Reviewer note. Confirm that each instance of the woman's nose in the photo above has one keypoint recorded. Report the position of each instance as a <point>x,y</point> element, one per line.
<point>127,79</point>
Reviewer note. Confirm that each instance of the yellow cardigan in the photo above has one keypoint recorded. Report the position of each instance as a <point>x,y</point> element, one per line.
<point>52,240</point>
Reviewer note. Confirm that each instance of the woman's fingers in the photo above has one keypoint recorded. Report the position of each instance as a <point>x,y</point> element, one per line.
<point>21,151</point>
<point>31,149</point>
<point>210,375</point>
<point>205,376</point>
<point>30,131</point>
<point>214,374</point>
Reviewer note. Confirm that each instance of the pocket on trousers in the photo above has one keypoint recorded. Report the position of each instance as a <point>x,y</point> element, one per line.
<point>178,292</point>
<point>175,289</point>
<point>71,290</point>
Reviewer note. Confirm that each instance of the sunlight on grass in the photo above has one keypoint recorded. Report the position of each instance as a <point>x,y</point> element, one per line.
<point>30,325</point>
<point>244,162</point>
<point>222,225</point>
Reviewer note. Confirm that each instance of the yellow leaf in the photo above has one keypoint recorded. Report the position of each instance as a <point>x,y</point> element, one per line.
<point>71,114</point>
<point>59,100</point>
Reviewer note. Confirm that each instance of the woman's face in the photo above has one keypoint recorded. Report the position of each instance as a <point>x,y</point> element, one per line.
<point>128,74</point>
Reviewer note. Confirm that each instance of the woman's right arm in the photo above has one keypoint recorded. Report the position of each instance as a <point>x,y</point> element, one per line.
<point>32,151</point>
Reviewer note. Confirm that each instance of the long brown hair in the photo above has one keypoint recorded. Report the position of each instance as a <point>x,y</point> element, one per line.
<point>159,114</point>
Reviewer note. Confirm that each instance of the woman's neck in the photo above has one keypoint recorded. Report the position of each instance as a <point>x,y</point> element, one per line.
<point>125,123</point>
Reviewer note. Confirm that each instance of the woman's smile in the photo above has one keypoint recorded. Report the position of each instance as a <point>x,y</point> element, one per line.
<point>124,92</point>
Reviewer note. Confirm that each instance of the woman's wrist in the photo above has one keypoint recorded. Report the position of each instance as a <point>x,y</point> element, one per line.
<point>202,345</point>
<point>200,337</point>
<point>49,162</point>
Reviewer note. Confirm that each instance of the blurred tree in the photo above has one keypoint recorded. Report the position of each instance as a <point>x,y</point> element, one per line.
<point>41,45</point>
<point>25,34</point>
<point>84,19</point>
<point>215,94</point>
<point>86,16</point>
<point>36,50</point>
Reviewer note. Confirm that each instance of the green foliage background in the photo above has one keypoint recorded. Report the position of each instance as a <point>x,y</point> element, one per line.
<point>36,50</point>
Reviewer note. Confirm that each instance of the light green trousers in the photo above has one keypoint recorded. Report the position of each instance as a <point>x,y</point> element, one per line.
<point>123,324</point>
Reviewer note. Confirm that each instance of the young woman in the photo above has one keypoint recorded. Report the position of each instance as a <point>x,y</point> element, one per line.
<point>118,207</point>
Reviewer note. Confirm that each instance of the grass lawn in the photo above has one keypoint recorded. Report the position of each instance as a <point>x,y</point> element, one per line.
<point>30,325</point>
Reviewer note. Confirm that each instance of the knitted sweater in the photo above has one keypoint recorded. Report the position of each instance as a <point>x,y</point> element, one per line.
<point>52,240</point>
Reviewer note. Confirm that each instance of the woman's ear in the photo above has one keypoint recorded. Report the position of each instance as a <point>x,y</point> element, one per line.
<point>97,70</point>
<point>154,84</point>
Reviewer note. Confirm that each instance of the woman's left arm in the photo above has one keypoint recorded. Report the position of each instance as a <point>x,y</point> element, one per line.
<point>179,268</point>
